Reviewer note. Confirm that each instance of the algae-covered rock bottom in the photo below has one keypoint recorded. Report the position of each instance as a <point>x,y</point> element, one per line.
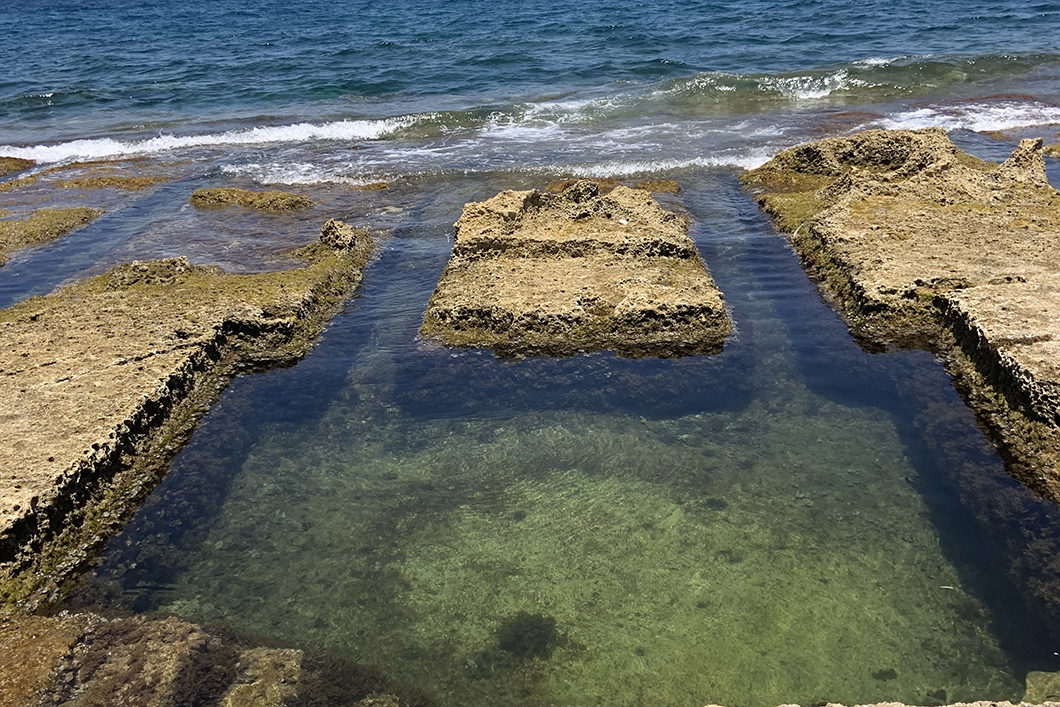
<point>927,246</point>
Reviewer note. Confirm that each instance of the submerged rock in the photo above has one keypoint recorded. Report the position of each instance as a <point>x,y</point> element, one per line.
<point>266,201</point>
<point>9,165</point>
<point>86,659</point>
<point>101,380</point>
<point>1042,687</point>
<point>555,274</point>
<point>40,227</point>
<point>112,182</point>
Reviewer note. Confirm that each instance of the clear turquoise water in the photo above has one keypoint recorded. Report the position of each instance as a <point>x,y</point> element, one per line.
<point>792,520</point>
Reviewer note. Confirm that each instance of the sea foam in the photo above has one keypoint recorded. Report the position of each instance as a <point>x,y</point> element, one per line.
<point>979,116</point>
<point>103,148</point>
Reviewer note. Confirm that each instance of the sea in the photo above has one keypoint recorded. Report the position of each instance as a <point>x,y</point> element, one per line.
<point>792,520</point>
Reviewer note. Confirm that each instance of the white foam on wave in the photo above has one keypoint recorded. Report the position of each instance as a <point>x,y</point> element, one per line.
<point>747,159</point>
<point>876,61</point>
<point>300,132</point>
<point>513,130</point>
<point>575,111</point>
<point>801,88</point>
<point>977,116</point>
<point>293,173</point>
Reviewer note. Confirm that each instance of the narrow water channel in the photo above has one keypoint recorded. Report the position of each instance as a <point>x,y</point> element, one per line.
<point>792,520</point>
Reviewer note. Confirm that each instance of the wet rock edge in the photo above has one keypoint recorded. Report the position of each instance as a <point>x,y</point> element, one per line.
<point>1027,440</point>
<point>48,548</point>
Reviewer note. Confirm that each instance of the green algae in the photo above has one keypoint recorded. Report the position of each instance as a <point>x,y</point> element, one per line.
<point>9,165</point>
<point>112,182</point>
<point>648,584</point>
<point>774,555</point>
<point>265,201</point>
<point>18,183</point>
<point>42,226</point>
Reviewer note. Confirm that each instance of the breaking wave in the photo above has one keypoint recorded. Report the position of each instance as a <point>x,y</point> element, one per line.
<point>103,148</point>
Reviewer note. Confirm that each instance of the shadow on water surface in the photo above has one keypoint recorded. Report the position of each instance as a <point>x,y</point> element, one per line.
<point>401,504</point>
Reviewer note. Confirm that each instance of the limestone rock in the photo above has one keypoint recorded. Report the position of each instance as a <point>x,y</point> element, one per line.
<point>579,270</point>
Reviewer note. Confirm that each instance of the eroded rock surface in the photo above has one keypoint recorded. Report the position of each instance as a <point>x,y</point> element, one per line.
<point>555,274</point>
<point>14,164</point>
<point>86,660</point>
<point>40,227</point>
<point>266,201</point>
<point>918,240</point>
<point>108,373</point>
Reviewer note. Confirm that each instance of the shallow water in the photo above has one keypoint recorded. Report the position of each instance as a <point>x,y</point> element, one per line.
<point>792,520</point>
<point>772,524</point>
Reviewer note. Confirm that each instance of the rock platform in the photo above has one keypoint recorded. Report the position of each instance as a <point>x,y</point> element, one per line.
<point>535,273</point>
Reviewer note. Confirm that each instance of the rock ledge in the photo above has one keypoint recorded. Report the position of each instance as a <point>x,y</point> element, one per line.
<point>556,274</point>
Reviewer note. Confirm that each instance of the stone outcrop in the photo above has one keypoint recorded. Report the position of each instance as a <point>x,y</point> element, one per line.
<point>101,381</point>
<point>140,661</point>
<point>41,226</point>
<point>9,165</point>
<point>579,270</point>
<point>265,201</point>
<point>923,245</point>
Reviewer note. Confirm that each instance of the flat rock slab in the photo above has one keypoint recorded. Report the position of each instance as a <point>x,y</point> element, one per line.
<point>93,370</point>
<point>556,274</point>
<point>140,661</point>
<point>914,237</point>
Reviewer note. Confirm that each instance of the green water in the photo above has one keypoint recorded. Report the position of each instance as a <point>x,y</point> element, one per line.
<point>762,558</point>
<point>744,529</point>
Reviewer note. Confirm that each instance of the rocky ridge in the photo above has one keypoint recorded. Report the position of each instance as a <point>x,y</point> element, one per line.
<point>923,245</point>
<point>102,380</point>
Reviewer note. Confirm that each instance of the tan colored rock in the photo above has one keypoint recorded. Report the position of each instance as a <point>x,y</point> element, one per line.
<point>14,164</point>
<point>266,201</point>
<point>554,274</point>
<point>142,662</point>
<point>86,660</point>
<point>266,678</point>
<point>112,372</point>
<point>31,647</point>
<point>41,226</point>
<point>918,241</point>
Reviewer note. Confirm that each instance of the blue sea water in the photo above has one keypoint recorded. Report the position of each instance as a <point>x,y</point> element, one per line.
<point>463,85</point>
<point>791,520</point>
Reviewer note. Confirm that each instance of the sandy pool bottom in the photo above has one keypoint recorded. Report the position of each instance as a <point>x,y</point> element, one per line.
<point>779,554</point>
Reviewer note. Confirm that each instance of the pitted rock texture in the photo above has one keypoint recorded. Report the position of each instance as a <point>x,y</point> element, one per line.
<point>915,237</point>
<point>86,660</point>
<point>555,274</point>
<point>92,372</point>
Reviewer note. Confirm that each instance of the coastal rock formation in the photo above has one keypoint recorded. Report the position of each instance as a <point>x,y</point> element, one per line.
<point>9,165</point>
<point>917,239</point>
<point>40,227</point>
<point>579,270</point>
<point>266,201</point>
<point>925,246</point>
<point>86,659</point>
<point>101,380</point>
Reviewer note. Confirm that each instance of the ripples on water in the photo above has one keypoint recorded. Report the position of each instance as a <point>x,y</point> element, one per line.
<point>792,520</point>
<point>775,523</point>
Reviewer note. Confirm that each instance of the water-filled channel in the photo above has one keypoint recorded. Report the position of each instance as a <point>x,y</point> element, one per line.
<point>792,520</point>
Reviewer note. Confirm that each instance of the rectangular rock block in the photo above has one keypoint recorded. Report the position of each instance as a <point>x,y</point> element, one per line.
<point>535,273</point>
